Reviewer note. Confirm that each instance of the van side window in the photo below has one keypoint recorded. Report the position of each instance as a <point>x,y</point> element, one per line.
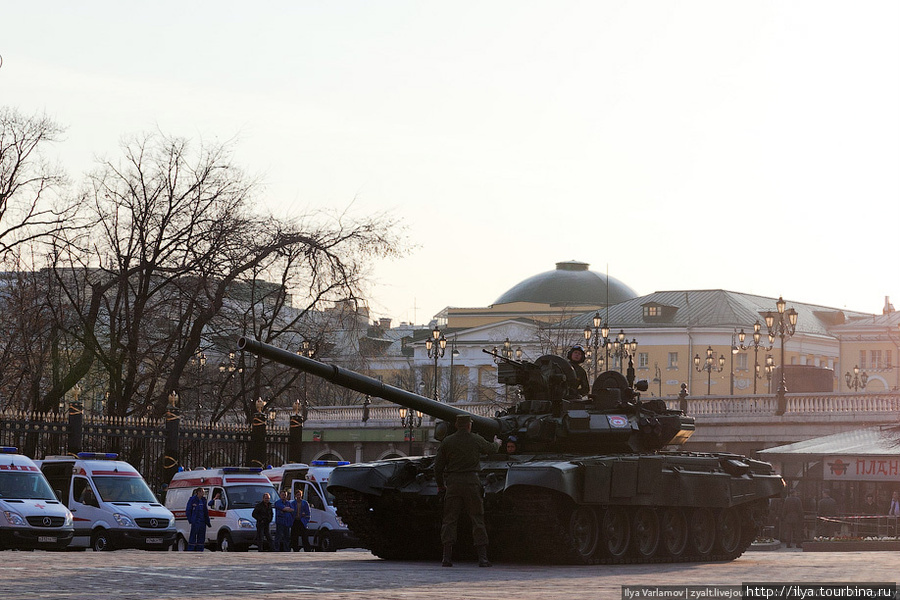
<point>312,496</point>
<point>82,492</point>
<point>219,504</point>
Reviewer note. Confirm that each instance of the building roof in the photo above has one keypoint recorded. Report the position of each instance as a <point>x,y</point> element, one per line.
<point>711,309</point>
<point>872,441</point>
<point>570,283</point>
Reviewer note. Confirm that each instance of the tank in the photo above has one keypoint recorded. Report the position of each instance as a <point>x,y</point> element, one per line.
<point>594,479</point>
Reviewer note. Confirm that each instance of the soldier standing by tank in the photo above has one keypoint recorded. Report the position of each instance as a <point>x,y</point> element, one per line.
<point>456,468</point>
<point>792,519</point>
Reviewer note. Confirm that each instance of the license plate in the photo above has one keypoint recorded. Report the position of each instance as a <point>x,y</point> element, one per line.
<point>154,540</point>
<point>46,539</point>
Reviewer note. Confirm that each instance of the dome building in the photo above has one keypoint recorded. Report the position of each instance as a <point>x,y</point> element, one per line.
<point>570,289</point>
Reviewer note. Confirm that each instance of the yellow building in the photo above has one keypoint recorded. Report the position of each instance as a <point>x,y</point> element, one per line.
<point>690,337</point>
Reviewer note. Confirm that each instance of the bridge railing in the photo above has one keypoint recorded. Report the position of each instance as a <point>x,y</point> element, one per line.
<point>797,404</point>
<point>819,404</point>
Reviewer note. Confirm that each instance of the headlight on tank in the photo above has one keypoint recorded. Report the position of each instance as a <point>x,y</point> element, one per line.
<point>14,518</point>
<point>123,520</point>
<point>246,524</point>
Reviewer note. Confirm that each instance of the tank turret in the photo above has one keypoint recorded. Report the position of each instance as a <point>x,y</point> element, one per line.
<point>552,417</point>
<point>591,479</point>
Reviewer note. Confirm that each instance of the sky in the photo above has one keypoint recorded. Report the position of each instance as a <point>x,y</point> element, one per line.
<point>747,146</point>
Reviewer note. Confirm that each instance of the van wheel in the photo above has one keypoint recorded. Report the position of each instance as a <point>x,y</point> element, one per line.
<point>180,544</point>
<point>100,541</point>
<point>225,544</point>
<point>326,544</point>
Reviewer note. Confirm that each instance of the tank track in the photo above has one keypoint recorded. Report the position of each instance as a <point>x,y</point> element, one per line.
<point>564,532</point>
<point>539,525</point>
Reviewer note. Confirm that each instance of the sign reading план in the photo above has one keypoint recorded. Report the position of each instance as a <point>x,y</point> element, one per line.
<point>861,468</point>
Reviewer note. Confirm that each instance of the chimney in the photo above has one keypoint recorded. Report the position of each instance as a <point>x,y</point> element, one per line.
<point>384,323</point>
<point>888,307</point>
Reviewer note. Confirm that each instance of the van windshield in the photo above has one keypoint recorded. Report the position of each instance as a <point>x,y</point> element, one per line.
<point>25,486</point>
<point>247,496</point>
<point>123,489</point>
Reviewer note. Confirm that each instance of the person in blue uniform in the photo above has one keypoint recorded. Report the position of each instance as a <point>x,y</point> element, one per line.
<point>197,515</point>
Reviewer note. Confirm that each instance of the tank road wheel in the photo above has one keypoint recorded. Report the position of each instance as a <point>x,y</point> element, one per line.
<point>729,530</point>
<point>702,532</point>
<point>584,529</point>
<point>615,530</point>
<point>674,528</point>
<point>645,532</point>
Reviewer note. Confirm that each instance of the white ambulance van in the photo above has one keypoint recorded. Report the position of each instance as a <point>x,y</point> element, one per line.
<point>110,502</point>
<point>239,490</point>
<point>327,532</point>
<point>31,517</point>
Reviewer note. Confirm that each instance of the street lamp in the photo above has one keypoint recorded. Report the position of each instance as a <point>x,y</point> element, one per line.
<point>410,419</point>
<point>436,345</point>
<point>734,350</point>
<point>453,354</point>
<point>781,324</point>
<point>622,348</point>
<point>709,365</point>
<point>199,361</point>
<point>770,368</point>
<point>857,382</point>
<point>307,350</point>
<point>595,341</point>
<point>756,345</point>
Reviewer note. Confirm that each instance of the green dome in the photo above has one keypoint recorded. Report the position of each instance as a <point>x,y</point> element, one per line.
<point>570,283</point>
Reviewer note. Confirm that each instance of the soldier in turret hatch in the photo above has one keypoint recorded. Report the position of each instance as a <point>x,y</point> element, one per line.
<point>456,468</point>
<point>576,357</point>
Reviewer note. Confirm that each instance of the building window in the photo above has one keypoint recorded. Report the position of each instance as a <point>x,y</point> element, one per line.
<point>643,360</point>
<point>862,360</point>
<point>741,360</point>
<point>888,360</point>
<point>673,360</point>
<point>651,311</point>
<point>876,359</point>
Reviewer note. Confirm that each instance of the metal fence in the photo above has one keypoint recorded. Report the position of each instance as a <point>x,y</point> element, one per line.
<point>144,442</point>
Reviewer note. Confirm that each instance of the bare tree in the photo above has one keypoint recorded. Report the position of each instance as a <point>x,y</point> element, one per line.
<point>174,260</point>
<point>30,205</point>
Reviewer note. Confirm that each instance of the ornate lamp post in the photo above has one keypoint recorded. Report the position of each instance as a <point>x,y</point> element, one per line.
<point>856,382</point>
<point>734,350</point>
<point>453,354</point>
<point>782,324</point>
<point>594,341</point>
<point>622,348</point>
<point>436,345</point>
<point>410,419</point>
<point>770,368</point>
<point>199,361</point>
<point>709,365</point>
<point>309,351</point>
<point>756,345</point>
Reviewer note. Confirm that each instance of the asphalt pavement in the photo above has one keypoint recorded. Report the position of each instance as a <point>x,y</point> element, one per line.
<point>356,574</point>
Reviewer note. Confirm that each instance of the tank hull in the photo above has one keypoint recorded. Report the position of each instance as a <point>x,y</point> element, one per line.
<point>618,508</point>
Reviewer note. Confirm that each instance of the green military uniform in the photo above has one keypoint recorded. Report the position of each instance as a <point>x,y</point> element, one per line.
<point>456,468</point>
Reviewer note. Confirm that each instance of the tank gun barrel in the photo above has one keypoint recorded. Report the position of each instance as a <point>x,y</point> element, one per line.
<point>367,385</point>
